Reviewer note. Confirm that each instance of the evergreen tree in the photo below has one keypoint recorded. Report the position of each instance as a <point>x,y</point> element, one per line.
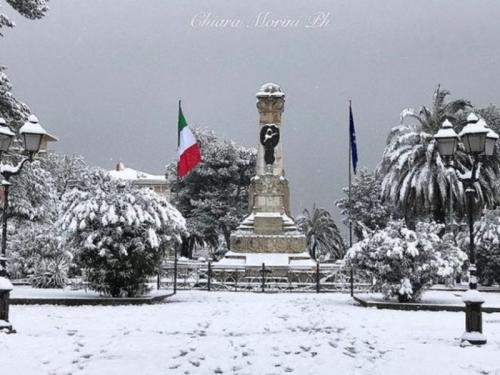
<point>214,196</point>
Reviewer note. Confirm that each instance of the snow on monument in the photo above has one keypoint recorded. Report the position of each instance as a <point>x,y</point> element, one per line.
<point>268,234</point>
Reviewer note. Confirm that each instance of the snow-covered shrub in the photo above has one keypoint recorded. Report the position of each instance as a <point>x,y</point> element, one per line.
<point>50,273</point>
<point>120,235</point>
<point>487,241</point>
<point>404,262</point>
<point>31,244</point>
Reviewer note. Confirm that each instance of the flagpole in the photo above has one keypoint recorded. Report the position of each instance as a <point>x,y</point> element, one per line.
<point>177,195</point>
<point>350,201</point>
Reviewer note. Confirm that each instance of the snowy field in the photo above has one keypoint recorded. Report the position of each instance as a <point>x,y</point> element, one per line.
<point>243,333</point>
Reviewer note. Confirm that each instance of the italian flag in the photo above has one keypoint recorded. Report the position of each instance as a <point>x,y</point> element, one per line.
<point>188,151</point>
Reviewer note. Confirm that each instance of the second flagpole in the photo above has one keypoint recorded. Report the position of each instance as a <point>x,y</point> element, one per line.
<point>351,276</point>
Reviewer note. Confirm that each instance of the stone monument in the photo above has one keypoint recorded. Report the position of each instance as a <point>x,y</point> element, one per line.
<point>269,234</point>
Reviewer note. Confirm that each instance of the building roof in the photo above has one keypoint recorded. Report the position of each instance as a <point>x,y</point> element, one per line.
<point>123,173</point>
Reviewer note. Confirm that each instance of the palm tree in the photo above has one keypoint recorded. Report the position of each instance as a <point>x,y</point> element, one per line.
<point>322,235</point>
<point>415,177</point>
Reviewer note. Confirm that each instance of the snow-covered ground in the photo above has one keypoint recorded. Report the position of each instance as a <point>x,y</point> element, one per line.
<point>243,333</point>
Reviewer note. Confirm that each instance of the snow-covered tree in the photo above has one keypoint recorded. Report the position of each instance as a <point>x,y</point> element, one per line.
<point>12,110</point>
<point>120,235</point>
<point>33,194</point>
<point>67,171</point>
<point>405,262</point>
<point>31,9</point>
<point>324,241</point>
<point>487,242</point>
<point>415,177</point>
<point>214,197</point>
<point>367,211</point>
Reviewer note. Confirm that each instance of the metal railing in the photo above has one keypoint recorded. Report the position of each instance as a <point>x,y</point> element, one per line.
<point>325,277</point>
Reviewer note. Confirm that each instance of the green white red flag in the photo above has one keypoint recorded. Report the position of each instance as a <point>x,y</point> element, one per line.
<point>188,150</point>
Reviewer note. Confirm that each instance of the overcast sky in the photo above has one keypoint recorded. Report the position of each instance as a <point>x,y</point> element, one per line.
<point>105,75</point>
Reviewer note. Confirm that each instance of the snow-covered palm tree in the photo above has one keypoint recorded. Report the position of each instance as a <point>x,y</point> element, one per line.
<point>415,177</point>
<point>322,235</point>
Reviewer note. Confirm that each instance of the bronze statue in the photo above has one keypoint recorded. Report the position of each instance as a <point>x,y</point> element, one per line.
<point>269,138</point>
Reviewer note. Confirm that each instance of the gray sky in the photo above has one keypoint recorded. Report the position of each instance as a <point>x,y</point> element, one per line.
<point>105,75</point>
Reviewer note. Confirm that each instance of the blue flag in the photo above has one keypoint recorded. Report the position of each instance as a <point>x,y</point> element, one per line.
<point>352,139</point>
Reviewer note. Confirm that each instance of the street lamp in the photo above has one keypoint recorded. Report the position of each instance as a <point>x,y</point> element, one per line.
<point>6,136</point>
<point>477,140</point>
<point>32,135</point>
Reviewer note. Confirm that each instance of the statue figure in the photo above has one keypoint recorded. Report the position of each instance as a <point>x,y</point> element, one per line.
<point>269,138</point>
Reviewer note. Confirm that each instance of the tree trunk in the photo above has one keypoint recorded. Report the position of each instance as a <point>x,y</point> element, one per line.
<point>227,235</point>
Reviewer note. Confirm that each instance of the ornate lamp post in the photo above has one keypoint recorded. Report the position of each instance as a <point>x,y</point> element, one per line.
<point>477,140</point>
<point>32,134</point>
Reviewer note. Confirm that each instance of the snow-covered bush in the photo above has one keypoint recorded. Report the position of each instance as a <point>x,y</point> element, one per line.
<point>50,273</point>
<point>487,241</point>
<point>120,235</point>
<point>30,245</point>
<point>405,262</point>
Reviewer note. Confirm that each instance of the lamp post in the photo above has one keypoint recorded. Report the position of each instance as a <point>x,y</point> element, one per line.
<point>477,140</point>
<point>32,134</point>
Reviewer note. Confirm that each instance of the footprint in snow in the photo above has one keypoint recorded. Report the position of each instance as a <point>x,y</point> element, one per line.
<point>194,363</point>
<point>80,344</point>
<point>350,349</point>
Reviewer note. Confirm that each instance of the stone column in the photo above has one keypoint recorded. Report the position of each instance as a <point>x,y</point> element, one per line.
<point>270,104</point>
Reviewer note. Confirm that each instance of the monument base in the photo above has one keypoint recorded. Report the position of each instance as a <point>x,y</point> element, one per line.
<point>271,260</point>
<point>268,232</point>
